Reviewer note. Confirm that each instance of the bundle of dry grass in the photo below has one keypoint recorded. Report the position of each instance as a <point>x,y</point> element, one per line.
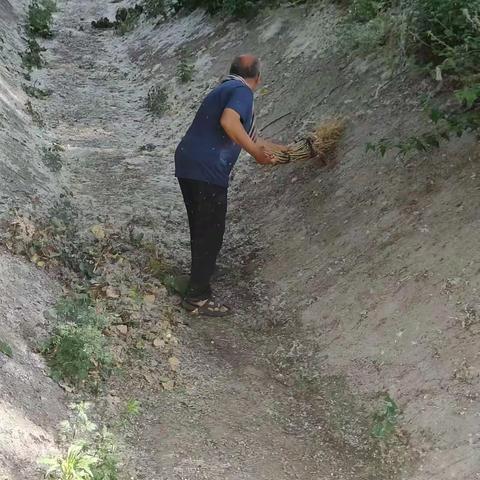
<point>320,144</point>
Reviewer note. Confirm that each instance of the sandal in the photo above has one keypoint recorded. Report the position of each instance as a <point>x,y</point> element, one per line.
<point>207,308</point>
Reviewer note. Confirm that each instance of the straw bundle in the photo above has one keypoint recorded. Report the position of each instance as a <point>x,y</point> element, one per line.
<point>319,144</point>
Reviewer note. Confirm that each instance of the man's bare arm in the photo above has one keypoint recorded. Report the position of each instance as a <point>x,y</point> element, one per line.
<point>230,122</point>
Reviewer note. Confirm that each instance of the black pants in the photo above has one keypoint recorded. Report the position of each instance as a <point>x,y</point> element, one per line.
<point>206,209</point>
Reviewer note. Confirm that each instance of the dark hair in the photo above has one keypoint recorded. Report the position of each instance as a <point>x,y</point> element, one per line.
<point>245,69</point>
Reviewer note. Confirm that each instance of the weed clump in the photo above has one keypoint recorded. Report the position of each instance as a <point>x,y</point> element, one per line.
<point>185,69</point>
<point>127,19</point>
<point>157,100</point>
<point>52,159</point>
<point>155,8</point>
<point>35,92</point>
<point>39,18</point>
<point>78,348</point>
<point>237,8</point>
<point>32,57</point>
<point>90,452</point>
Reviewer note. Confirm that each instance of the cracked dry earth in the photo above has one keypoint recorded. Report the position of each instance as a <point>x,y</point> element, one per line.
<point>227,418</point>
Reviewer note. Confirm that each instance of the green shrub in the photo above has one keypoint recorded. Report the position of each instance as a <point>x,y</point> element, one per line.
<point>39,17</point>
<point>185,69</point>
<point>77,348</point>
<point>127,19</point>
<point>91,454</point>
<point>448,33</point>
<point>52,159</point>
<point>441,37</point>
<point>32,57</point>
<point>155,8</point>
<point>237,8</point>
<point>35,92</point>
<point>157,100</point>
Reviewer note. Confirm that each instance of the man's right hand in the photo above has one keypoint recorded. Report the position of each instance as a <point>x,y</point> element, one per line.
<point>263,157</point>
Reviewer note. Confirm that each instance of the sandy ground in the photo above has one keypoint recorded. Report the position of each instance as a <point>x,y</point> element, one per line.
<point>350,283</point>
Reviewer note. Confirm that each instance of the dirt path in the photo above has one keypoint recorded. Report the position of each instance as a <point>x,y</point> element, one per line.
<point>228,419</point>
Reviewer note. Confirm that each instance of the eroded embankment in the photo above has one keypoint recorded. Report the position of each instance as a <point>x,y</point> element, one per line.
<point>31,404</point>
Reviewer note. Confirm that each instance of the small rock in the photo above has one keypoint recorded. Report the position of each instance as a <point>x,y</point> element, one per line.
<point>174,363</point>
<point>122,329</point>
<point>158,343</point>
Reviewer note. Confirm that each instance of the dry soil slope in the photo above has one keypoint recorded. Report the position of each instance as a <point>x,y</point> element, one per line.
<point>376,262</point>
<point>30,403</point>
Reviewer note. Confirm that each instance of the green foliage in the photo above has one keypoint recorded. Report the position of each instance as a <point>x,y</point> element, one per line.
<point>155,8</point>
<point>127,19</point>
<point>237,8</point>
<point>39,17</point>
<point>365,10</point>
<point>132,408</point>
<point>157,100</point>
<point>75,465</point>
<point>52,159</point>
<point>35,92</point>
<point>32,57</point>
<point>385,421</point>
<point>442,37</point>
<point>185,70</point>
<point>5,348</point>
<point>77,348</point>
<point>91,454</point>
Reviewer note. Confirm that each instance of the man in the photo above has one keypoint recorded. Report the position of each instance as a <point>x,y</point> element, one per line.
<point>223,125</point>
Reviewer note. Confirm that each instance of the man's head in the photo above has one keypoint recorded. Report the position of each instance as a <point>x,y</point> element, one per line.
<point>247,67</point>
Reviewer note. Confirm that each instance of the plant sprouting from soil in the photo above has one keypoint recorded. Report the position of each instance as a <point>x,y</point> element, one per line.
<point>32,57</point>
<point>39,18</point>
<point>52,159</point>
<point>78,349</point>
<point>155,8</point>
<point>90,452</point>
<point>35,92</point>
<point>5,348</point>
<point>127,19</point>
<point>157,100</point>
<point>386,419</point>
<point>185,69</point>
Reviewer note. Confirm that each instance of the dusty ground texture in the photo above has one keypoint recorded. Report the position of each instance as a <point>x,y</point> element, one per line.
<point>350,283</point>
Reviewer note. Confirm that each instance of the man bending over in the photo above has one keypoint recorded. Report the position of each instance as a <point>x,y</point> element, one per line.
<point>223,125</point>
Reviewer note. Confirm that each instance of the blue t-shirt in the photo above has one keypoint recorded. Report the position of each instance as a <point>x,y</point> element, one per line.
<point>206,152</point>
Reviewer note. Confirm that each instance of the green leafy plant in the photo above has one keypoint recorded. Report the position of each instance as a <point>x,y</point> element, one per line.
<point>132,408</point>
<point>39,17</point>
<point>32,57</point>
<point>77,348</point>
<point>91,454</point>
<point>5,348</point>
<point>75,465</point>
<point>185,69</point>
<point>441,37</point>
<point>52,159</point>
<point>237,8</point>
<point>155,8</point>
<point>127,19</point>
<point>385,421</point>
<point>35,92</point>
<point>157,100</point>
